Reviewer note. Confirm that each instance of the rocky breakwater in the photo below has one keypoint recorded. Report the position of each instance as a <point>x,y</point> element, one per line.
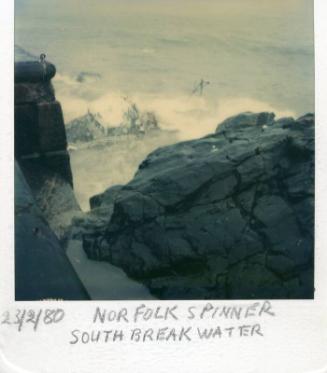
<point>44,198</point>
<point>40,137</point>
<point>42,270</point>
<point>40,140</point>
<point>227,216</point>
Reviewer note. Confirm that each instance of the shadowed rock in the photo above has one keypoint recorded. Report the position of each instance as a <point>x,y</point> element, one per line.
<point>229,215</point>
<point>42,268</point>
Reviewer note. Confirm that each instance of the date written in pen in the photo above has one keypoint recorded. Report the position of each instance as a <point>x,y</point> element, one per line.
<point>32,318</point>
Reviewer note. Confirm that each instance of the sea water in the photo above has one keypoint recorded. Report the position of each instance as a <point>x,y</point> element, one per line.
<point>257,55</point>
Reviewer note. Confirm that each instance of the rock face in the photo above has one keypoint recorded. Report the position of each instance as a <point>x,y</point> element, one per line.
<point>42,268</point>
<point>227,216</point>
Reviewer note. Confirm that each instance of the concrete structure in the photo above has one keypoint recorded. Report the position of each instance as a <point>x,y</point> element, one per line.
<point>40,137</point>
<point>43,188</point>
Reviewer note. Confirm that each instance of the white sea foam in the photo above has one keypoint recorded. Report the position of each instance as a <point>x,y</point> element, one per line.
<point>258,56</point>
<point>193,116</point>
<point>188,117</point>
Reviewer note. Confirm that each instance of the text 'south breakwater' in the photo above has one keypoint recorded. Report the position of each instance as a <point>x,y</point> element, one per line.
<point>172,323</point>
<point>144,323</point>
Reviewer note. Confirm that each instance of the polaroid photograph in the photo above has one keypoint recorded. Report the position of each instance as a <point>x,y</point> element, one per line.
<point>163,170</point>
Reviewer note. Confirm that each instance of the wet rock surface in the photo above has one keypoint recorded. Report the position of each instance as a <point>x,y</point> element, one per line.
<point>229,215</point>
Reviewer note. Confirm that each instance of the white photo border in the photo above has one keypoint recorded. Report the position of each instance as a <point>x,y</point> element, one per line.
<point>295,340</point>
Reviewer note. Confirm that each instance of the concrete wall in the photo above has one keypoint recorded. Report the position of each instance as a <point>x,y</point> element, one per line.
<point>40,137</point>
<point>43,189</point>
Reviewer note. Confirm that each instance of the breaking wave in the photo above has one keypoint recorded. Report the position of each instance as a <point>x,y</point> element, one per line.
<point>184,115</point>
<point>193,116</point>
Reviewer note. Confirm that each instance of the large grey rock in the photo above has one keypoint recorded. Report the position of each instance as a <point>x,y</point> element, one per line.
<point>229,215</point>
